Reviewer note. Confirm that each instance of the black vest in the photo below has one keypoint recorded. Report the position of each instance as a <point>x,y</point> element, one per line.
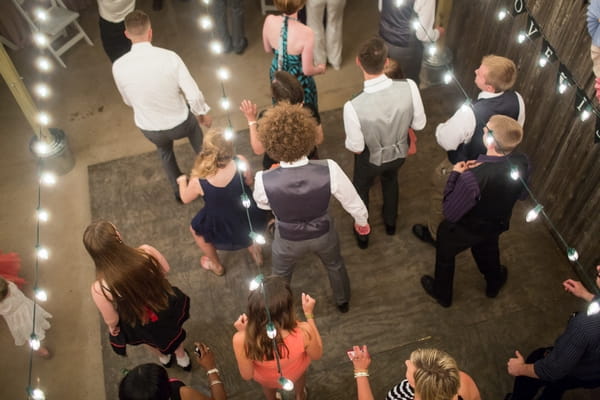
<point>505,104</point>
<point>395,24</point>
<point>299,198</point>
<point>498,194</point>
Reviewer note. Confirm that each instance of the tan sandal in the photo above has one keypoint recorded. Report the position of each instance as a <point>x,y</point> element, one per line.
<point>208,265</point>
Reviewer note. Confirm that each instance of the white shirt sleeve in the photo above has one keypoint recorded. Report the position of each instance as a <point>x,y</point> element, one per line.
<point>425,9</point>
<point>521,118</point>
<point>344,191</point>
<point>419,118</point>
<point>259,194</point>
<point>355,141</point>
<point>458,129</point>
<point>119,85</point>
<point>190,89</point>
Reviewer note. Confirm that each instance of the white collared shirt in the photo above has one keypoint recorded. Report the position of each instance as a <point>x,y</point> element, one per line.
<point>156,84</point>
<point>460,127</point>
<point>340,187</point>
<point>355,140</point>
<point>115,10</point>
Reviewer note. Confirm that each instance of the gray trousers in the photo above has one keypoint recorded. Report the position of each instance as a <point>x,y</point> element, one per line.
<point>235,40</point>
<point>409,58</point>
<point>327,247</point>
<point>164,145</point>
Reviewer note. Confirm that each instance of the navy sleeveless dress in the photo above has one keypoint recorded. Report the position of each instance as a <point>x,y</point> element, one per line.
<point>282,61</point>
<point>223,221</point>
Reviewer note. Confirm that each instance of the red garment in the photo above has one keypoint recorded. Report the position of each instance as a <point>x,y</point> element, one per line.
<point>293,365</point>
<point>10,264</point>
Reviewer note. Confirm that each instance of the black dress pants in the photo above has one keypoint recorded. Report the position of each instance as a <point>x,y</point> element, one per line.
<point>113,39</point>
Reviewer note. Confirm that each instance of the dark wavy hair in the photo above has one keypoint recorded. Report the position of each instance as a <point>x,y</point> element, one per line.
<point>145,382</point>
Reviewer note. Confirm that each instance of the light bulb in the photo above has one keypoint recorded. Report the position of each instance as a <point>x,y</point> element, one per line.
<point>533,213</point>
<point>447,77</point>
<point>48,178</point>
<point>43,118</point>
<point>42,215</point>
<point>593,308</point>
<point>572,254</point>
<point>38,394</point>
<point>224,102</point>
<point>286,384</point>
<point>489,139</point>
<point>259,239</point>
<point>41,147</point>
<point>206,2</point>
<point>432,49</point>
<point>521,37</point>
<point>40,39</point>
<point>416,24</point>
<point>398,3</point>
<point>42,253</point>
<point>585,115</point>
<point>514,173</point>
<point>562,87</point>
<point>34,342</point>
<point>228,133</point>
<point>246,200</point>
<point>255,283</point>
<point>43,64</point>
<point>41,294</point>
<point>223,73</point>
<point>271,330</point>
<point>502,14</point>
<point>242,166</point>
<point>206,22</point>
<point>42,90</point>
<point>216,47</point>
<point>543,61</point>
<point>465,105</point>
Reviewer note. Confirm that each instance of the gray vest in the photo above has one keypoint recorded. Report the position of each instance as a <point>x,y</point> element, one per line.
<point>385,117</point>
<point>299,198</point>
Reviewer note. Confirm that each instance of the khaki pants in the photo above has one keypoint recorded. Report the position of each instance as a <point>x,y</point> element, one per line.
<point>438,183</point>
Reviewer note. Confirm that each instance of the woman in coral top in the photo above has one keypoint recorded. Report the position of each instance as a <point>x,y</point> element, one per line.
<point>298,343</point>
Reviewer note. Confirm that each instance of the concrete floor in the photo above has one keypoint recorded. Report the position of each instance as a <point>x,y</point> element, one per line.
<point>100,128</point>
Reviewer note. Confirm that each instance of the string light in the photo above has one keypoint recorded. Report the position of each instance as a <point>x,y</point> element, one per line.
<point>593,308</point>
<point>228,133</point>
<point>489,139</point>
<point>256,282</point>
<point>585,115</point>
<point>502,14</point>
<point>432,49</point>
<point>572,254</point>
<point>205,22</point>
<point>34,342</point>
<point>48,178</point>
<point>514,173</point>
<point>543,61</point>
<point>42,253</point>
<point>465,105</point>
<point>206,2</point>
<point>42,90</point>
<point>41,15</point>
<point>286,384</point>
<point>271,330</point>
<point>41,294</point>
<point>223,73</point>
<point>40,39</point>
<point>38,394</point>
<point>242,165</point>
<point>533,213</point>
<point>43,118</point>
<point>258,238</point>
<point>416,24</point>
<point>246,200</point>
<point>41,147</point>
<point>562,87</point>
<point>521,37</point>
<point>447,77</point>
<point>43,64</point>
<point>216,47</point>
<point>42,215</point>
<point>399,3</point>
<point>225,104</point>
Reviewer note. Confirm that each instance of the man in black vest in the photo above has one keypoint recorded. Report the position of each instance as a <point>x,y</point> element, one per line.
<point>298,192</point>
<point>462,135</point>
<point>478,202</point>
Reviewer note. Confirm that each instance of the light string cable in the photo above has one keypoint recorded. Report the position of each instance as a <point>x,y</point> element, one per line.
<point>206,23</point>
<point>216,48</point>
<point>563,83</point>
<point>40,147</point>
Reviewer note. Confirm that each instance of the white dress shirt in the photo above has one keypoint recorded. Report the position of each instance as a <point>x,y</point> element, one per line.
<point>340,187</point>
<point>355,140</point>
<point>115,10</point>
<point>156,83</point>
<point>461,126</point>
<point>425,9</point>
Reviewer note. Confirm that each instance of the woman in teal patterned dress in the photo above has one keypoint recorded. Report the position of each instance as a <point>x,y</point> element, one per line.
<point>292,45</point>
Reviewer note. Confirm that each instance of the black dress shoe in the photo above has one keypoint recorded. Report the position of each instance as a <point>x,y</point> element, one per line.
<point>243,48</point>
<point>428,284</point>
<point>492,290</point>
<point>361,240</point>
<point>390,229</point>
<point>422,232</point>
<point>343,308</point>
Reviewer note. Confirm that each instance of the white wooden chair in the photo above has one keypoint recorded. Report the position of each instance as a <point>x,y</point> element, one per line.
<point>58,18</point>
<point>265,8</point>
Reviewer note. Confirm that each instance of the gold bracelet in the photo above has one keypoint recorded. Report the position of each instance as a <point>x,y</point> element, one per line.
<point>309,315</point>
<point>213,383</point>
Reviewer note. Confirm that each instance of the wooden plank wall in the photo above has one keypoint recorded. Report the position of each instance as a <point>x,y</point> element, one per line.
<point>566,175</point>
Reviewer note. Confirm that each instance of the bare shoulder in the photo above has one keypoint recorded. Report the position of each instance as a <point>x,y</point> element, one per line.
<point>468,387</point>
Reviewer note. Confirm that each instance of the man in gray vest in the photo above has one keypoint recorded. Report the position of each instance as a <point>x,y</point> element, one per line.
<point>376,123</point>
<point>298,192</point>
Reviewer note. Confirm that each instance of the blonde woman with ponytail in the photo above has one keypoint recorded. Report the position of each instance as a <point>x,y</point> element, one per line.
<point>222,224</point>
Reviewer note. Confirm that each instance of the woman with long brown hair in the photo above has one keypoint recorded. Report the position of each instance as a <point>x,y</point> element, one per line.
<point>224,221</point>
<point>137,302</point>
<point>298,343</point>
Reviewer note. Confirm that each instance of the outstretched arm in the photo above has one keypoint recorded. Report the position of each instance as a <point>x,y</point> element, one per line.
<point>361,361</point>
<point>248,108</point>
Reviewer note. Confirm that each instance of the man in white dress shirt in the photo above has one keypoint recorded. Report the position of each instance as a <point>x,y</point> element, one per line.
<point>376,123</point>
<point>156,84</point>
<point>462,135</point>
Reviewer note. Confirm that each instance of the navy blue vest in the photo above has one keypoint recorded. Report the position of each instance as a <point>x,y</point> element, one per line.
<point>395,25</point>
<point>498,194</point>
<point>299,198</point>
<point>505,104</point>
